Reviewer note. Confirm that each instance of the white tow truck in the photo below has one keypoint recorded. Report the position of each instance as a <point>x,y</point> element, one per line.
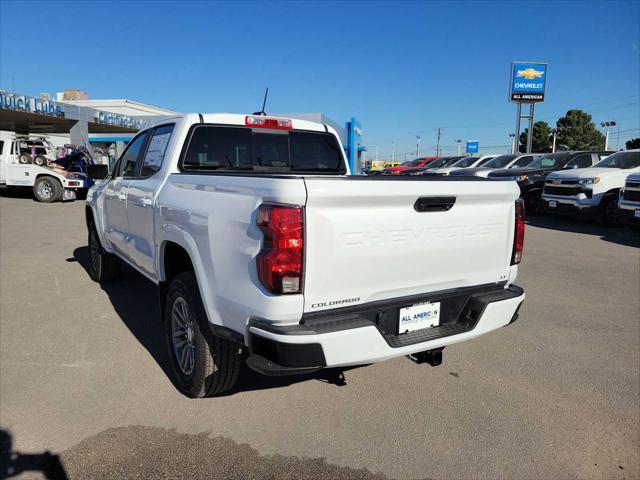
<point>263,246</point>
<point>591,192</point>
<point>20,169</point>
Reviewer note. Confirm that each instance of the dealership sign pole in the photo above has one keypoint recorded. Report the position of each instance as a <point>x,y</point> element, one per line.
<point>528,84</point>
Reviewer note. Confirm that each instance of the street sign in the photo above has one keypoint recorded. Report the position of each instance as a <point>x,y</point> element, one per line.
<point>528,82</point>
<point>473,146</point>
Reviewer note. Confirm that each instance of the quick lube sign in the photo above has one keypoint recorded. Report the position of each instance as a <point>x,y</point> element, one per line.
<point>25,103</point>
<point>528,82</point>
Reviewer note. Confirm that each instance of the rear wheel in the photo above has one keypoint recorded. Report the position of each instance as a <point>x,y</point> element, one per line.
<point>103,266</point>
<point>608,211</point>
<point>47,190</point>
<point>40,161</point>
<point>203,364</point>
<point>25,158</point>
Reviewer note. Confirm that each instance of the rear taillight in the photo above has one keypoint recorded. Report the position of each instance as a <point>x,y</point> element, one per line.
<point>280,261</point>
<point>266,122</point>
<point>518,239</point>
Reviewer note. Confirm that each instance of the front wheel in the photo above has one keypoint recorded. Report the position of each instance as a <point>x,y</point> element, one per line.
<point>534,203</point>
<point>24,159</point>
<point>40,161</point>
<point>203,364</point>
<point>608,211</point>
<point>103,266</point>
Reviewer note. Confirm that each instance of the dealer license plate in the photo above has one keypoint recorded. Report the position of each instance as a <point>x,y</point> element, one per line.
<point>637,213</point>
<point>419,316</point>
<point>553,204</point>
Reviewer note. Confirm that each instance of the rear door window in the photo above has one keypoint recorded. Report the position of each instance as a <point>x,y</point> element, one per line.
<point>244,149</point>
<point>154,156</point>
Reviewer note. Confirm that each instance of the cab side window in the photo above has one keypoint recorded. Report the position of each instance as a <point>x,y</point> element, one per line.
<point>127,165</point>
<point>155,151</point>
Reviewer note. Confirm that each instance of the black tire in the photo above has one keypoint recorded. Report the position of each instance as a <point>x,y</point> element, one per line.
<point>103,266</point>
<point>215,362</point>
<point>40,161</point>
<point>47,190</point>
<point>25,158</point>
<point>534,203</point>
<point>608,212</point>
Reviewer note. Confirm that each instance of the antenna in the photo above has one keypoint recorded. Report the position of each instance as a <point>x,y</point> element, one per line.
<point>264,104</point>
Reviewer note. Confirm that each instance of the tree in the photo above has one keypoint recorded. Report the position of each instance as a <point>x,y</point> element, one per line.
<point>631,144</point>
<point>541,141</point>
<point>576,131</point>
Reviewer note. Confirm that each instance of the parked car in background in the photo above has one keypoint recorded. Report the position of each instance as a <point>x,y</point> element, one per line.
<point>501,161</point>
<point>464,162</point>
<point>629,201</point>
<point>591,192</point>
<point>377,167</point>
<point>259,241</point>
<point>531,178</point>
<point>437,163</point>
<point>416,163</point>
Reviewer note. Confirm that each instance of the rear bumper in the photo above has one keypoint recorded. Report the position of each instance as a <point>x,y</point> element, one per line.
<point>365,335</point>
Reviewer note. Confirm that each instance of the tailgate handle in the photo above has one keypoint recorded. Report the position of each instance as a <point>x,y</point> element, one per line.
<point>434,204</point>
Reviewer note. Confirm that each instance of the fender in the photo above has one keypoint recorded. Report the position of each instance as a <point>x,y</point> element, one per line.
<point>173,233</point>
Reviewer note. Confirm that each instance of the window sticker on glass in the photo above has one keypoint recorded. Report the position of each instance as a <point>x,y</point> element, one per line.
<point>155,152</point>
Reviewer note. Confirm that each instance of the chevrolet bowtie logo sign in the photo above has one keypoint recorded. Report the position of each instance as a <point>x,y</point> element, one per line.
<point>529,73</point>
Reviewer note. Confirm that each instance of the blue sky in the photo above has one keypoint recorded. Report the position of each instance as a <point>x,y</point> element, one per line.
<point>402,68</point>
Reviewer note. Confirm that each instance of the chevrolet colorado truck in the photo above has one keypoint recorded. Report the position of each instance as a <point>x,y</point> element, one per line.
<point>265,249</point>
<point>591,192</point>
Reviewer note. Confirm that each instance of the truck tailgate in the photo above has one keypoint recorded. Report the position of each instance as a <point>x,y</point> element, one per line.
<point>366,239</point>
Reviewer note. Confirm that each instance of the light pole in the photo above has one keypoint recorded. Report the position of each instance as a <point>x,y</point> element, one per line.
<point>393,152</point>
<point>418,145</point>
<point>607,126</point>
<point>553,144</point>
<point>512,136</point>
<point>438,143</point>
<point>458,142</point>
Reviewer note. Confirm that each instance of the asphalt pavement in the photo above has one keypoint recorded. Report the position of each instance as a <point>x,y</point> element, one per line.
<point>83,388</point>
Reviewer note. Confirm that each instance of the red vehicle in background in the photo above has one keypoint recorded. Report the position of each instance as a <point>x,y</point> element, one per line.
<point>417,163</point>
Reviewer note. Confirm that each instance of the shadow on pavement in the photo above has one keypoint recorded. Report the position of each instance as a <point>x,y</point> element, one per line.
<point>622,235</point>
<point>135,300</point>
<point>14,463</point>
<point>14,192</point>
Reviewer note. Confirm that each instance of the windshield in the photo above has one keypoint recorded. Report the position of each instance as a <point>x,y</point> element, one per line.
<point>549,161</point>
<point>465,162</point>
<point>240,148</point>
<point>440,162</point>
<point>414,163</point>
<point>620,160</point>
<point>499,161</point>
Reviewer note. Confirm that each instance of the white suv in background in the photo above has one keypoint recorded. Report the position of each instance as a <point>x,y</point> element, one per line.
<point>629,202</point>
<point>591,191</point>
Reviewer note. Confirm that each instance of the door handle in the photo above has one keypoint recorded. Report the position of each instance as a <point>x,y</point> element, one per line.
<point>122,196</point>
<point>146,202</point>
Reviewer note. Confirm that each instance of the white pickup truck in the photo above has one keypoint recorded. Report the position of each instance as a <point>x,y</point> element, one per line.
<point>629,201</point>
<point>593,191</point>
<point>263,246</point>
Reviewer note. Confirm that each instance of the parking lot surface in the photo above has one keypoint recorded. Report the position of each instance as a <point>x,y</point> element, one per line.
<point>555,395</point>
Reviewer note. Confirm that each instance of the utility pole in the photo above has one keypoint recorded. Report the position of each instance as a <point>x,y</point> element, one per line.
<point>393,151</point>
<point>532,107</point>
<point>418,145</point>
<point>458,142</point>
<point>607,126</point>
<point>553,144</point>
<point>438,142</point>
<point>376,152</point>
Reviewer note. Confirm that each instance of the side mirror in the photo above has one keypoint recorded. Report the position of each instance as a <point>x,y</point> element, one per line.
<point>98,172</point>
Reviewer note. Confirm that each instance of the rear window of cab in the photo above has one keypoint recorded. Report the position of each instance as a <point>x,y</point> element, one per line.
<point>244,149</point>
